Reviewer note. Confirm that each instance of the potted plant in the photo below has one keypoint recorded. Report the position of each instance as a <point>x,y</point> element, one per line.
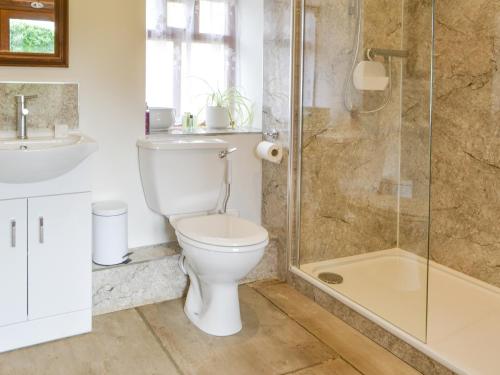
<point>228,108</point>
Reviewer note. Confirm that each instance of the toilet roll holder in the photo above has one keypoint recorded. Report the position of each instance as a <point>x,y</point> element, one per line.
<point>271,135</point>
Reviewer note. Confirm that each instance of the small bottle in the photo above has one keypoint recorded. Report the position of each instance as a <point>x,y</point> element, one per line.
<point>147,129</point>
<point>185,119</point>
<point>191,122</point>
<point>188,121</point>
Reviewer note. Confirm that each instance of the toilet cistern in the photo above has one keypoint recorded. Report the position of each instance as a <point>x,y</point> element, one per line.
<point>22,113</point>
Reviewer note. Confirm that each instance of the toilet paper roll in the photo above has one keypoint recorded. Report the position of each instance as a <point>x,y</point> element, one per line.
<point>270,151</point>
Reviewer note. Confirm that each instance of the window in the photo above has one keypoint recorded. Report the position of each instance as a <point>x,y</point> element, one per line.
<point>27,31</point>
<point>190,47</point>
<point>31,36</point>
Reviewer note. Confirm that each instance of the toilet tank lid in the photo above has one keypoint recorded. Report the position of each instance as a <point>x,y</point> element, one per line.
<point>163,142</point>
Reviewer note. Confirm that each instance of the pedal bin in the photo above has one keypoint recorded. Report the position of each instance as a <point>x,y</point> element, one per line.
<point>110,237</point>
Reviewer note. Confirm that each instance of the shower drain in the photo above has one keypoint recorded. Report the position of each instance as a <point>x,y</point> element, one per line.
<point>331,278</point>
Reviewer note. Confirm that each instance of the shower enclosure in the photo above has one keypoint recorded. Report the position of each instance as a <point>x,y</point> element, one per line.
<point>363,207</point>
<point>360,176</point>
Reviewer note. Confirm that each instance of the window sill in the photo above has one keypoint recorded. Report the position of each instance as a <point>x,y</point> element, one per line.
<point>206,131</point>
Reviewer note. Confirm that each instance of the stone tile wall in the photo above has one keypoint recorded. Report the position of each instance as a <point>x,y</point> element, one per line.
<point>465,190</point>
<point>276,98</point>
<point>56,104</point>
<point>350,161</point>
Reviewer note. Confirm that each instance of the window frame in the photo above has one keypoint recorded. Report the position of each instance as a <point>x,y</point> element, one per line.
<point>178,35</point>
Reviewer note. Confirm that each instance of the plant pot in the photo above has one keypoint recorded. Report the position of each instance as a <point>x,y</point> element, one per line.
<point>217,117</point>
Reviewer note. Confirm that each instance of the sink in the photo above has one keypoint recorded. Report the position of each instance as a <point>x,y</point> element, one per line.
<point>40,159</point>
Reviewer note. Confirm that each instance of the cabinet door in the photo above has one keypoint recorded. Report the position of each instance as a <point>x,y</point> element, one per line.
<point>59,255</point>
<point>13,261</point>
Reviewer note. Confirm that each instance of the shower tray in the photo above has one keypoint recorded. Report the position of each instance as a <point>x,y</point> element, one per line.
<point>461,309</point>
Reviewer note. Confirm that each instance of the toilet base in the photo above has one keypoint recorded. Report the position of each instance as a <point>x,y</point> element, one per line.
<point>218,311</point>
<point>212,303</point>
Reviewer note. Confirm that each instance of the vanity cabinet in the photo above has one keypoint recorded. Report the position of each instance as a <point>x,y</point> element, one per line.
<point>45,262</point>
<point>45,240</point>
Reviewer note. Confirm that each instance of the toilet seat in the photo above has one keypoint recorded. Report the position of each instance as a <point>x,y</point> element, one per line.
<point>223,233</point>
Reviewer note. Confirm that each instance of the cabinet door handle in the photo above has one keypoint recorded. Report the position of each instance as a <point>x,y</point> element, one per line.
<point>13,233</point>
<point>41,235</point>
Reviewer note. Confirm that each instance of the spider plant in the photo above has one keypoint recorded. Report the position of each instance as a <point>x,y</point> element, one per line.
<point>239,107</point>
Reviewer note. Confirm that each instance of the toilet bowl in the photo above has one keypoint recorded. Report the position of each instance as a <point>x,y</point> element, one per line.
<point>182,179</point>
<point>218,251</point>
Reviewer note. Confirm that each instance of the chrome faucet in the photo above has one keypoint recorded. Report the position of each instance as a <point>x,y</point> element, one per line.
<point>22,112</point>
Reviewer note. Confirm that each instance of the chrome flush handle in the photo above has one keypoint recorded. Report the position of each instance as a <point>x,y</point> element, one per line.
<point>225,153</point>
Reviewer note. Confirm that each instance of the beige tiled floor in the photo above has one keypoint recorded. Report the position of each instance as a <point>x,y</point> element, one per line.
<point>120,344</point>
<point>284,333</point>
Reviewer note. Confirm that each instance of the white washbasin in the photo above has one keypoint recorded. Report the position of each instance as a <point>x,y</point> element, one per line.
<point>40,159</point>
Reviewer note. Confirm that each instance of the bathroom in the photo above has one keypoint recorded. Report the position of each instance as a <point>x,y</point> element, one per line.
<point>370,222</point>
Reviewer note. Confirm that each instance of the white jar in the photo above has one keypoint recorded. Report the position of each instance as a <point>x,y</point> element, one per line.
<point>110,237</point>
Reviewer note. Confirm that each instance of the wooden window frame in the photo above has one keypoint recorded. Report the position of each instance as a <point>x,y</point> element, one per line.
<point>177,36</point>
<point>60,56</point>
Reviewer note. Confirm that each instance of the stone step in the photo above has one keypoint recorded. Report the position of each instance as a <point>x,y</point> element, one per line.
<point>152,276</point>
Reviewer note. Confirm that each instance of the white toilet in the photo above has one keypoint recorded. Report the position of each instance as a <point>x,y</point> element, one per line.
<point>184,179</point>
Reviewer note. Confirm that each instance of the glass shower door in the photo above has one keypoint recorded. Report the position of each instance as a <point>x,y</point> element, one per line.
<point>365,150</point>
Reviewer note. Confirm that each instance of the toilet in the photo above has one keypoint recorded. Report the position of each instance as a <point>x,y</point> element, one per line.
<point>184,179</point>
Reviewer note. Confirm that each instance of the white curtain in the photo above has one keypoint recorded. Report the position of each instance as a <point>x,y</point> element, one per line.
<point>191,50</point>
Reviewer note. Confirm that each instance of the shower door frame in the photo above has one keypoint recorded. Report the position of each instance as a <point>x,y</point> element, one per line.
<point>295,177</point>
<point>295,135</point>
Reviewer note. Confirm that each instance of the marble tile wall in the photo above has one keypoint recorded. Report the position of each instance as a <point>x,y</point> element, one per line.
<point>56,104</point>
<point>276,115</point>
<point>350,161</point>
<point>465,202</point>
<point>465,190</point>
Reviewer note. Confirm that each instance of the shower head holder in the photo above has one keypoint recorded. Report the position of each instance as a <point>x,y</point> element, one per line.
<point>371,53</point>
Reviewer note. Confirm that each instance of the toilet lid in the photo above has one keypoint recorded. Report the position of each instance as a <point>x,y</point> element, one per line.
<point>222,230</point>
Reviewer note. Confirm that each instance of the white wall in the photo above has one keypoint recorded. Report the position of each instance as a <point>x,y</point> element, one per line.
<point>107,59</point>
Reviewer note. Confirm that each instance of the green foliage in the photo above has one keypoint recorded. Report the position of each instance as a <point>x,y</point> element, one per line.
<point>29,38</point>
